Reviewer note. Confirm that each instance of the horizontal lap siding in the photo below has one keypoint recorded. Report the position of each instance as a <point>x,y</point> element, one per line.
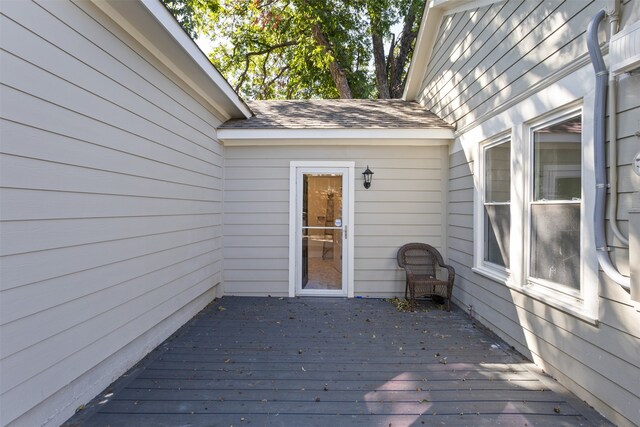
<point>111,197</point>
<point>483,58</point>
<point>460,226</point>
<point>402,205</point>
<point>498,52</point>
<point>600,361</point>
<point>628,123</point>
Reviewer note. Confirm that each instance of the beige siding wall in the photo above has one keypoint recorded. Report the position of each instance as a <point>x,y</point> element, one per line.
<point>111,207</point>
<point>628,123</point>
<point>480,64</point>
<point>599,363</point>
<point>486,56</point>
<point>404,204</point>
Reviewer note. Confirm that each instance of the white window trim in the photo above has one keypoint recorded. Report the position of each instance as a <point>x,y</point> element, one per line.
<point>571,91</point>
<point>555,290</point>
<point>570,94</point>
<point>582,303</point>
<point>490,270</point>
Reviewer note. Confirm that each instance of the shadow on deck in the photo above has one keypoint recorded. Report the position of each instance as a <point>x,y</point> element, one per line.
<point>320,362</point>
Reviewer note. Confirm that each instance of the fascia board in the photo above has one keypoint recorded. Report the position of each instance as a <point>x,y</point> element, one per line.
<point>232,137</point>
<point>153,26</point>
<point>429,27</point>
<point>455,6</point>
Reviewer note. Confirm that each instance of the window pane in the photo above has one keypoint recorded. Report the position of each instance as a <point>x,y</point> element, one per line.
<point>497,193</point>
<point>321,199</point>
<point>497,225</point>
<point>498,173</point>
<point>555,243</point>
<point>557,161</point>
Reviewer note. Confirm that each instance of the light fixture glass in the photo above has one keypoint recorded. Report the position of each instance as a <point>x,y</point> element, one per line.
<point>367,177</point>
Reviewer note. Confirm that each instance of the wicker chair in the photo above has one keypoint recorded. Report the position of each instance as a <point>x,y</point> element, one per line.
<point>419,262</point>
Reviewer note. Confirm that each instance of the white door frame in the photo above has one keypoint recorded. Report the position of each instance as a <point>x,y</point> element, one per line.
<point>294,227</point>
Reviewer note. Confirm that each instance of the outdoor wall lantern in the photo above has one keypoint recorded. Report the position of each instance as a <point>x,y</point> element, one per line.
<point>367,177</point>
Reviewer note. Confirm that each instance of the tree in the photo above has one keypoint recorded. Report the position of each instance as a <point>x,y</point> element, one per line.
<point>310,48</point>
<point>195,16</point>
<point>390,69</point>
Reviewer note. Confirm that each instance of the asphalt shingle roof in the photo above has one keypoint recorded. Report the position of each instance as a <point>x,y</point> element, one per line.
<point>338,114</point>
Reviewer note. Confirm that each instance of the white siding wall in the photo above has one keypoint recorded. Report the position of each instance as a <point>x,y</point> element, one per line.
<point>111,207</point>
<point>473,71</point>
<point>404,204</point>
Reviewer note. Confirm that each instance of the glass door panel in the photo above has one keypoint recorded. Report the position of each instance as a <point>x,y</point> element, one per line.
<point>322,232</point>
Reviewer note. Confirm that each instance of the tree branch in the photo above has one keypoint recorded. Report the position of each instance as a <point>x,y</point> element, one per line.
<point>406,47</point>
<point>390,56</point>
<point>380,64</point>
<point>271,48</point>
<point>264,71</point>
<point>337,72</point>
<point>280,73</point>
<point>243,75</point>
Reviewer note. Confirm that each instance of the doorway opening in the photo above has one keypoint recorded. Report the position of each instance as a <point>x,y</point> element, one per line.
<point>321,216</point>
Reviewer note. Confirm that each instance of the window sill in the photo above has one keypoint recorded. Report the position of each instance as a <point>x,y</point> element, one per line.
<point>497,275</point>
<point>559,301</point>
<point>562,302</point>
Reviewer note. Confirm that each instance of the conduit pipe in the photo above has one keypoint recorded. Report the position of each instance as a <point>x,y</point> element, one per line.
<point>602,249</point>
<point>613,143</point>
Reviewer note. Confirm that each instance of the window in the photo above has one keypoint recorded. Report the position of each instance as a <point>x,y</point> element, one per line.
<point>493,210</point>
<point>497,207</point>
<point>533,224</point>
<point>555,204</point>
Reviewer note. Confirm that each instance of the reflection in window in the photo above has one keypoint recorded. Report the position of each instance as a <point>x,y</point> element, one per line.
<point>321,237</point>
<point>555,205</point>
<point>497,209</point>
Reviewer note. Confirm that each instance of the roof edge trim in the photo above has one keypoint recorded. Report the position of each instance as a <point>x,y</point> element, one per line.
<point>230,106</point>
<point>227,136</point>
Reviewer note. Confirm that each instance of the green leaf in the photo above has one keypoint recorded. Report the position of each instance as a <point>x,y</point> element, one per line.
<point>267,49</point>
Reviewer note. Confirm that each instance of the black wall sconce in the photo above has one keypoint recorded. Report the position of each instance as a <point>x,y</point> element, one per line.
<point>367,177</point>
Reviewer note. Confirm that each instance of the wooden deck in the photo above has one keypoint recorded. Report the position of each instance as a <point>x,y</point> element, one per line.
<point>333,362</point>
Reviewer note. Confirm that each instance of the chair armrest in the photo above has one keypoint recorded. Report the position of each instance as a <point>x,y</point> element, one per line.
<point>451,272</point>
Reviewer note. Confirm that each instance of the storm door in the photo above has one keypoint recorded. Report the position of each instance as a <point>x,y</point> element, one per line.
<point>322,231</point>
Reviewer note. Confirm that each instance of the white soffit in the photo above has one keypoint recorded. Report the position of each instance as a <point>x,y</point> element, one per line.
<point>422,137</point>
<point>153,26</point>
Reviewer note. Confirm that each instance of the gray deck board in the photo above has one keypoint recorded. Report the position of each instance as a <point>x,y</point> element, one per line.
<point>317,362</point>
<point>368,386</point>
<point>285,420</point>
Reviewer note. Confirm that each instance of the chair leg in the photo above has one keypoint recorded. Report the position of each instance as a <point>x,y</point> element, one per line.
<point>412,297</point>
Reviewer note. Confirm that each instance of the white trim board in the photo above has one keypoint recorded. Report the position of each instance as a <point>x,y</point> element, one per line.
<point>293,226</point>
<point>416,137</point>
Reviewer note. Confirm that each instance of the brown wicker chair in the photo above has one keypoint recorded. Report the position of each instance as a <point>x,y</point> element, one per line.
<point>419,262</point>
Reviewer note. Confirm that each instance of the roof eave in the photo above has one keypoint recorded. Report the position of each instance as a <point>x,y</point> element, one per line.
<point>431,19</point>
<point>434,136</point>
<point>153,26</point>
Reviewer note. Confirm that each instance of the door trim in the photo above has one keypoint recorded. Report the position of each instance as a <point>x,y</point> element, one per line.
<point>293,218</point>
